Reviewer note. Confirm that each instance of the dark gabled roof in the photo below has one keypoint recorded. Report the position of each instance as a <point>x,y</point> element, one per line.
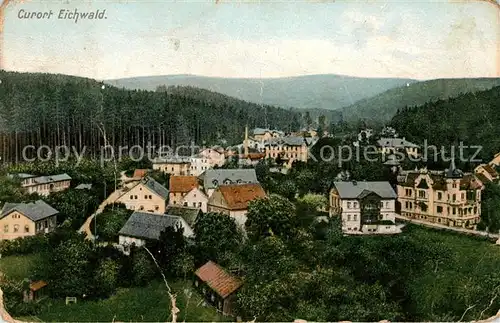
<point>35,211</point>
<point>365,193</point>
<point>483,178</point>
<point>51,179</point>
<point>423,184</point>
<point>219,280</point>
<point>154,186</point>
<point>189,214</point>
<point>148,226</point>
<point>351,190</point>
<point>214,177</point>
<point>409,180</point>
<point>439,182</point>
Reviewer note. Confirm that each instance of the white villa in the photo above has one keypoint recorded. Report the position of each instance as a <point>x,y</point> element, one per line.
<point>365,207</point>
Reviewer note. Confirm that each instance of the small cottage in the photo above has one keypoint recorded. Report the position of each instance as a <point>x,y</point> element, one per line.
<point>218,286</point>
<point>35,292</point>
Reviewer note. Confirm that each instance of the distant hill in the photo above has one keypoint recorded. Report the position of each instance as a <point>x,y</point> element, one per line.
<point>327,91</point>
<point>471,118</point>
<point>384,106</point>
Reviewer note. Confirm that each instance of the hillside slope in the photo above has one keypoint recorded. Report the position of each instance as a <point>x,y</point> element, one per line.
<point>54,110</point>
<point>472,118</point>
<point>384,106</point>
<point>305,92</point>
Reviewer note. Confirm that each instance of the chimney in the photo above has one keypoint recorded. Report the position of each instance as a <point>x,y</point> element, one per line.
<point>245,143</point>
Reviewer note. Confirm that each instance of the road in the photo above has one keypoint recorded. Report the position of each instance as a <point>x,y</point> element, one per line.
<point>440,226</point>
<point>109,200</point>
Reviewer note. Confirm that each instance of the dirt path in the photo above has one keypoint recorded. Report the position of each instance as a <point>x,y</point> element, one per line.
<point>110,200</point>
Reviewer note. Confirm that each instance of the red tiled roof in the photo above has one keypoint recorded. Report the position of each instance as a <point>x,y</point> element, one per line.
<point>218,279</point>
<point>140,173</point>
<point>237,196</point>
<point>253,156</point>
<point>183,184</point>
<point>34,286</point>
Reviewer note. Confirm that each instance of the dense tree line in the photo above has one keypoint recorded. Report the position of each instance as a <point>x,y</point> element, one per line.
<point>471,118</point>
<point>57,110</point>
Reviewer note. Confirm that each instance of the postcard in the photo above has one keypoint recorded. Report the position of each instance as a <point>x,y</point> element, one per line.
<point>249,161</point>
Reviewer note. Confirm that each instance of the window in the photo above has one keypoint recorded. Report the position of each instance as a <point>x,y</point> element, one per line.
<point>185,203</point>
<point>421,194</point>
<point>157,207</point>
<point>439,209</point>
<point>26,228</point>
<point>150,197</point>
<point>440,195</point>
<point>16,227</point>
<point>454,197</point>
<point>199,204</point>
<point>6,228</point>
<point>355,204</point>
<point>454,211</point>
<point>131,197</point>
<point>194,204</point>
<point>141,208</point>
<point>348,205</point>
<point>145,197</point>
<point>348,217</point>
<point>355,217</point>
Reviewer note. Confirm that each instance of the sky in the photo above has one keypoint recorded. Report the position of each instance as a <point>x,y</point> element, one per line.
<point>257,39</point>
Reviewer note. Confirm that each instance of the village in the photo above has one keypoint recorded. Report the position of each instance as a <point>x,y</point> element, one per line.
<point>224,183</point>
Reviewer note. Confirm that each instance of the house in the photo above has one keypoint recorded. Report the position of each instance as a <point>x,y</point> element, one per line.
<point>43,185</point>
<point>233,200</point>
<point>19,220</point>
<point>199,164</point>
<point>212,178</point>
<point>146,195</point>
<point>179,187</point>
<point>195,198</point>
<point>392,145</point>
<point>261,134</point>
<point>486,173</point>
<point>364,207</point>
<point>35,291</point>
<point>450,198</point>
<point>215,156</point>
<point>144,226</point>
<point>173,165</point>
<point>251,159</point>
<point>496,160</point>
<point>189,214</point>
<point>218,287</point>
<point>289,149</point>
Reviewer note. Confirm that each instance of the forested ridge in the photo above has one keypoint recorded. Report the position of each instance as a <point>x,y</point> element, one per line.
<point>471,118</point>
<point>54,110</point>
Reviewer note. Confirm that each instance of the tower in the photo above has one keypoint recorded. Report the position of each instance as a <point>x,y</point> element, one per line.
<point>245,143</point>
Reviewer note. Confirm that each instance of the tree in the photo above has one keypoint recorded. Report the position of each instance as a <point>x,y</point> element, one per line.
<point>169,246</point>
<point>217,238</point>
<point>143,268</point>
<point>67,268</point>
<point>106,277</point>
<point>271,216</point>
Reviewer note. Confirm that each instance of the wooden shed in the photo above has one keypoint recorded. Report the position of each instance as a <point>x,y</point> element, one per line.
<point>218,286</point>
<point>35,291</point>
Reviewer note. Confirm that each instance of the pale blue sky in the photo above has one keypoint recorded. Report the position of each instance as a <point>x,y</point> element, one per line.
<point>420,40</point>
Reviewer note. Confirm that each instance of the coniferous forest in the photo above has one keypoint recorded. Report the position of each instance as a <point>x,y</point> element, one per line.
<point>471,118</point>
<point>60,110</point>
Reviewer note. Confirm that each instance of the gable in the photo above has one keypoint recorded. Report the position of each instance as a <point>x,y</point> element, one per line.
<point>199,195</point>
<point>10,216</point>
<point>139,189</point>
<point>217,199</point>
